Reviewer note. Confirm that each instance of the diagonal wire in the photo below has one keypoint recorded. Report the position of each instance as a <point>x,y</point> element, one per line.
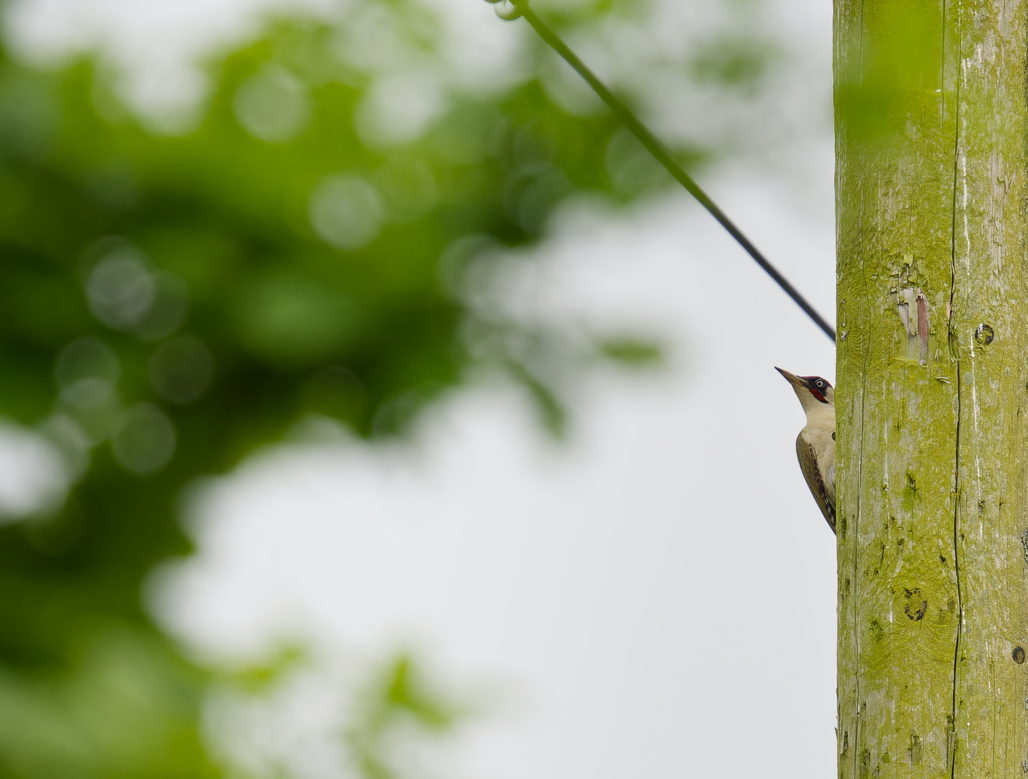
<point>661,154</point>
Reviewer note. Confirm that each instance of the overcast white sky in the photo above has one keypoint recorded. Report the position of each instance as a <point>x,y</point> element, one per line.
<point>654,597</point>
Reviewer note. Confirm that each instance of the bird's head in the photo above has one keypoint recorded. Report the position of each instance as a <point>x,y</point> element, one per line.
<point>813,391</point>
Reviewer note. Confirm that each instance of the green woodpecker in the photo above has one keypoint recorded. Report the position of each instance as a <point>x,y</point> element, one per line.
<point>815,445</point>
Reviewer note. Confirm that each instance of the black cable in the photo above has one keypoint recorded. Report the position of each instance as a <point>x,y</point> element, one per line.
<point>656,148</point>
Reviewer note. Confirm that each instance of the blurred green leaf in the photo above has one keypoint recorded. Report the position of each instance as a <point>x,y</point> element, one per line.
<point>401,697</point>
<point>548,403</point>
<point>257,678</point>
<point>898,77</point>
<point>734,62</point>
<point>632,352</point>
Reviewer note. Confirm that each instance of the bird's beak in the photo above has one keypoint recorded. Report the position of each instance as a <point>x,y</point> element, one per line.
<point>792,378</point>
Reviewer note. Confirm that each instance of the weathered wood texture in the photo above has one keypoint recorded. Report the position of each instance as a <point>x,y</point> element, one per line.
<point>932,388</point>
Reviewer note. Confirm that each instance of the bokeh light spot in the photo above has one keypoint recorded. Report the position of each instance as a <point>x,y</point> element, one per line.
<point>181,369</point>
<point>408,189</point>
<point>346,211</point>
<point>72,443</point>
<point>120,289</point>
<point>272,105</point>
<point>145,439</point>
<point>169,308</point>
<point>86,371</point>
<point>399,108</point>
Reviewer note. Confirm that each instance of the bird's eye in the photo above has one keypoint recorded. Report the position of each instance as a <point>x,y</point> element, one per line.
<point>819,384</point>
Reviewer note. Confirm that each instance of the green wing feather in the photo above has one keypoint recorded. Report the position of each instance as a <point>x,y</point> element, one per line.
<point>808,463</point>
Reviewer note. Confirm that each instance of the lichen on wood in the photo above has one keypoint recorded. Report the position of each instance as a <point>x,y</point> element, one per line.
<point>932,127</point>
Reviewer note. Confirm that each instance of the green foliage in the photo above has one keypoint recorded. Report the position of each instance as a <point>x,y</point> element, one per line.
<point>168,303</point>
<point>734,62</point>
<point>256,678</point>
<point>631,352</point>
<point>123,705</point>
<point>398,699</point>
<point>897,78</point>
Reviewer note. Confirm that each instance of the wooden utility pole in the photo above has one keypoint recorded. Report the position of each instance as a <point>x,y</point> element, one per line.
<point>932,180</point>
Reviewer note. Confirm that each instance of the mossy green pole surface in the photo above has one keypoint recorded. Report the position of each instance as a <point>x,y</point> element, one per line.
<point>933,388</point>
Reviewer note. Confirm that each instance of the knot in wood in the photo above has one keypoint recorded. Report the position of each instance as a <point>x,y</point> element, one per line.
<point>984,335</point>
<point>918,611</point>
